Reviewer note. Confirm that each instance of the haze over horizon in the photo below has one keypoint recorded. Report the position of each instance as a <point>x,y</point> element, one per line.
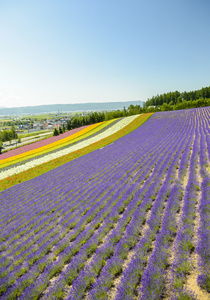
<point>1,106</point>
<point>101,51</point>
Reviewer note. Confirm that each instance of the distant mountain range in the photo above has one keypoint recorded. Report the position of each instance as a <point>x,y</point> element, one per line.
<point>53,108</point>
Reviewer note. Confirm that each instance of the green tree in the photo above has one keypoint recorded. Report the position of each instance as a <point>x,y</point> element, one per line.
<point>60,130</point>
<point>75,123</point>
<point>69,126</point>
<point>55,132</point>
<point>6,136</point>
<point>13,133</point>
<point>166,107</point>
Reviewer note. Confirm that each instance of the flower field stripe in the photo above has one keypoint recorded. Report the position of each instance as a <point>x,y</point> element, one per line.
<point>45,148</point>
<point>98,129</point>
<point>41,143</point>
<point>63,146</point>
<point>117,222</point>
<point>45,167</point>
<point>59,153</point>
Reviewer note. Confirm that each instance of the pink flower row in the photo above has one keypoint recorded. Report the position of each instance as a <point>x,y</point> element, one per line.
<point>38,144</point>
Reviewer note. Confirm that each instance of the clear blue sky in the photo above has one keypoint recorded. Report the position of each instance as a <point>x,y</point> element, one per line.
<point>63,51</point>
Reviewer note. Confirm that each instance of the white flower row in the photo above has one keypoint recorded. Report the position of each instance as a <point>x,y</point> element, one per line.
<point>38,161</point>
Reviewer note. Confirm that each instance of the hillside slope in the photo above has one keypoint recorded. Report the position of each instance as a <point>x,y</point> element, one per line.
<point>127,221</point>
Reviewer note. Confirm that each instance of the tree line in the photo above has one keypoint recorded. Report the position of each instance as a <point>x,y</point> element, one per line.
<point>175,98</point>
<point>186,104</point>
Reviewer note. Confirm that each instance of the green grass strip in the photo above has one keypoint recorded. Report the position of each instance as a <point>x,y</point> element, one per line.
<point>45,167</point>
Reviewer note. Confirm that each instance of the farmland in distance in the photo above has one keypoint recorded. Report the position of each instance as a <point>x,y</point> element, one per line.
<point>128,221</point>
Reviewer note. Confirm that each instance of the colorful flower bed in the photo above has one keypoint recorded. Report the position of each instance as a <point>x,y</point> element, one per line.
<point>36,171</point>
<point>46,148</point>
<point>129,220</point>
<point>38,144</point>
<point>72,148</point>
<point>51,148</point>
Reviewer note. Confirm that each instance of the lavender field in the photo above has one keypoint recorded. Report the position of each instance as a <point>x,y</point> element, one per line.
<point>128,221</point>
